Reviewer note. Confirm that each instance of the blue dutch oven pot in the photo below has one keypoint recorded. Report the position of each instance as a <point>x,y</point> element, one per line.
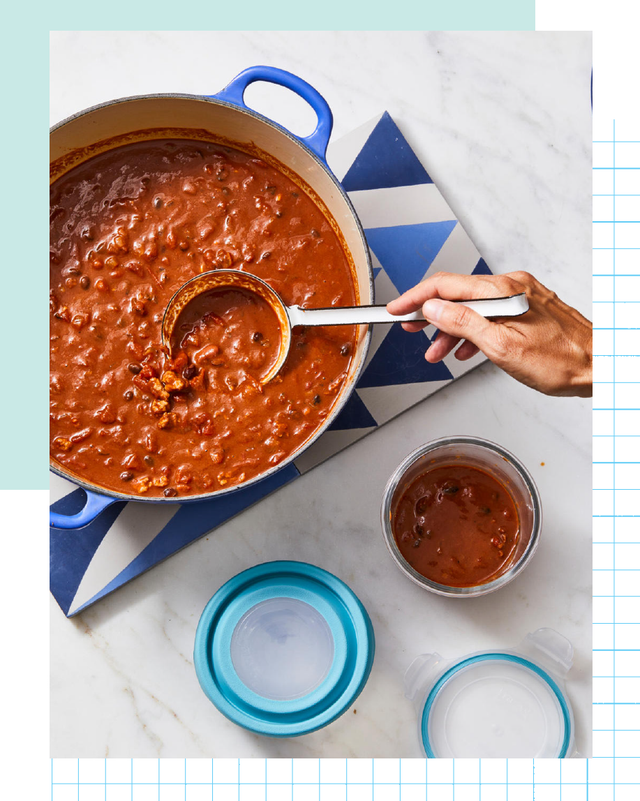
<point>227,118</point>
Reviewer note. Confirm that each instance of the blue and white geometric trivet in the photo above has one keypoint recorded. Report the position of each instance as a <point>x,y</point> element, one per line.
<point>411,231</point>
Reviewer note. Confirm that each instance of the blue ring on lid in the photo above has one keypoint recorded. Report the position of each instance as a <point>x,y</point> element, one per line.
<point>353,648</point>
<point>448,674</point>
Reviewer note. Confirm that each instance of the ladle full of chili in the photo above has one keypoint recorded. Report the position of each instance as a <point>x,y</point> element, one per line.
<point>291,316</point>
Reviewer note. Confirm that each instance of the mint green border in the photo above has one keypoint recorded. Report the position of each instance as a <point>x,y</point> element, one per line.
<point>277,15</point>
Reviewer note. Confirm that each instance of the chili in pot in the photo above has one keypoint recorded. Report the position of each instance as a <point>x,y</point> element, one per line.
<point>128,228</point>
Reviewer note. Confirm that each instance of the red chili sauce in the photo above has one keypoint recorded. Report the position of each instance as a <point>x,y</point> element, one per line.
<point>128,228</point>
<point>456,525</point>
<point>234,330</point>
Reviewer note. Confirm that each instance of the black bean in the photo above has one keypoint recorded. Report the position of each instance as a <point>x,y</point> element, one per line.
<point>126,476</point>
<point>271,190</point>
<point>134,368</point>
<point>450,489</point>
<point>421,504</point>
<point>316,400</point>
<point>418,530</point>
<point>226,190</point>
<point>278,214</point>
<point>85,282</point>
<point>315,232</point>
<point>189,372</point>
<point>345,350</point>
<point>266,255</point>
<point>128,395</point>
<point>256,336</point>
<point>170,492</point>
<point>148,460</point>
<point>294,194</point>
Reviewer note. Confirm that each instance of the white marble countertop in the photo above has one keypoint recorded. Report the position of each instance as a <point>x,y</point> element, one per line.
<point>502,123</point>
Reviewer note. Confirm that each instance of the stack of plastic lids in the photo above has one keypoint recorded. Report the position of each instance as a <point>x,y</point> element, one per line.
<point>283,648</point>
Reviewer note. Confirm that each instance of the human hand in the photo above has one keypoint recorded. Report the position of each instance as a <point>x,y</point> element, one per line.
<point>549,348</point>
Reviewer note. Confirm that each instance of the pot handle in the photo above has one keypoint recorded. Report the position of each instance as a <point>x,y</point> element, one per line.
<point>319,139</point>
<point>93,506</point>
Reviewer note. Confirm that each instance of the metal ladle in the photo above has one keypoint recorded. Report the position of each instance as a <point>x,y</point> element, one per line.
<point>291,316</point>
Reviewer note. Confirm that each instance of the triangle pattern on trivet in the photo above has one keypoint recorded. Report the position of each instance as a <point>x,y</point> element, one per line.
<point>388,402</point>
<point>385,160</point>
<point>184,520</point>
<point>341,153</point>
<point>71,551</point>
<point>400,205</point>
<point>354,415</point>
<point>481,268</point>
<point>400,360</point>
<point>138,525</point>
<point>407,251</point>
<point>330,443</point>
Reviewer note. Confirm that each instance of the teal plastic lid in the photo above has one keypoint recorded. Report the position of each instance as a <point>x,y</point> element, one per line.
<point>283,648</point>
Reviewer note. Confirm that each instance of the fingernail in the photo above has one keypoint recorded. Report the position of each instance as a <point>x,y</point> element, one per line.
<point>432,310</point>
<point>426,355</point>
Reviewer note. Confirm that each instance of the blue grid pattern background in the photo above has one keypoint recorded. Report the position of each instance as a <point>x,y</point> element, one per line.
<point>614,773</point>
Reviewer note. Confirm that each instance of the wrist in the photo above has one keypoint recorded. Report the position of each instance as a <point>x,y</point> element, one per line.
<point>581,383</point>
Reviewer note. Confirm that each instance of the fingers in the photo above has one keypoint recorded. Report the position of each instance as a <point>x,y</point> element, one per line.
<point>466,351</point>
<point>441,346</point>
<point>451,286</point>
<point>458,321</point>
<point>455,321</point>
<point>413,298</point>
<point>413,327</point>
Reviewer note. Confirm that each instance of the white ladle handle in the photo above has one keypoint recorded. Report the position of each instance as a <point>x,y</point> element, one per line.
<point>512,306</point>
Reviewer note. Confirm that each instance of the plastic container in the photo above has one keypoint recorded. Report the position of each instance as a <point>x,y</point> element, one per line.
<point>283,648</point>
<point>505,704</point>
<point>492,459</point>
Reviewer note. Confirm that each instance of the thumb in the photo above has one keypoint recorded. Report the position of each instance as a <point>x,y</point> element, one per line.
<point>458,320</point>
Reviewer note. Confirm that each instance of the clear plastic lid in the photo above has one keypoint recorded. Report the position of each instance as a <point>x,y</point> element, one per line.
<point>496,704</point>
<point>282,648</point>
